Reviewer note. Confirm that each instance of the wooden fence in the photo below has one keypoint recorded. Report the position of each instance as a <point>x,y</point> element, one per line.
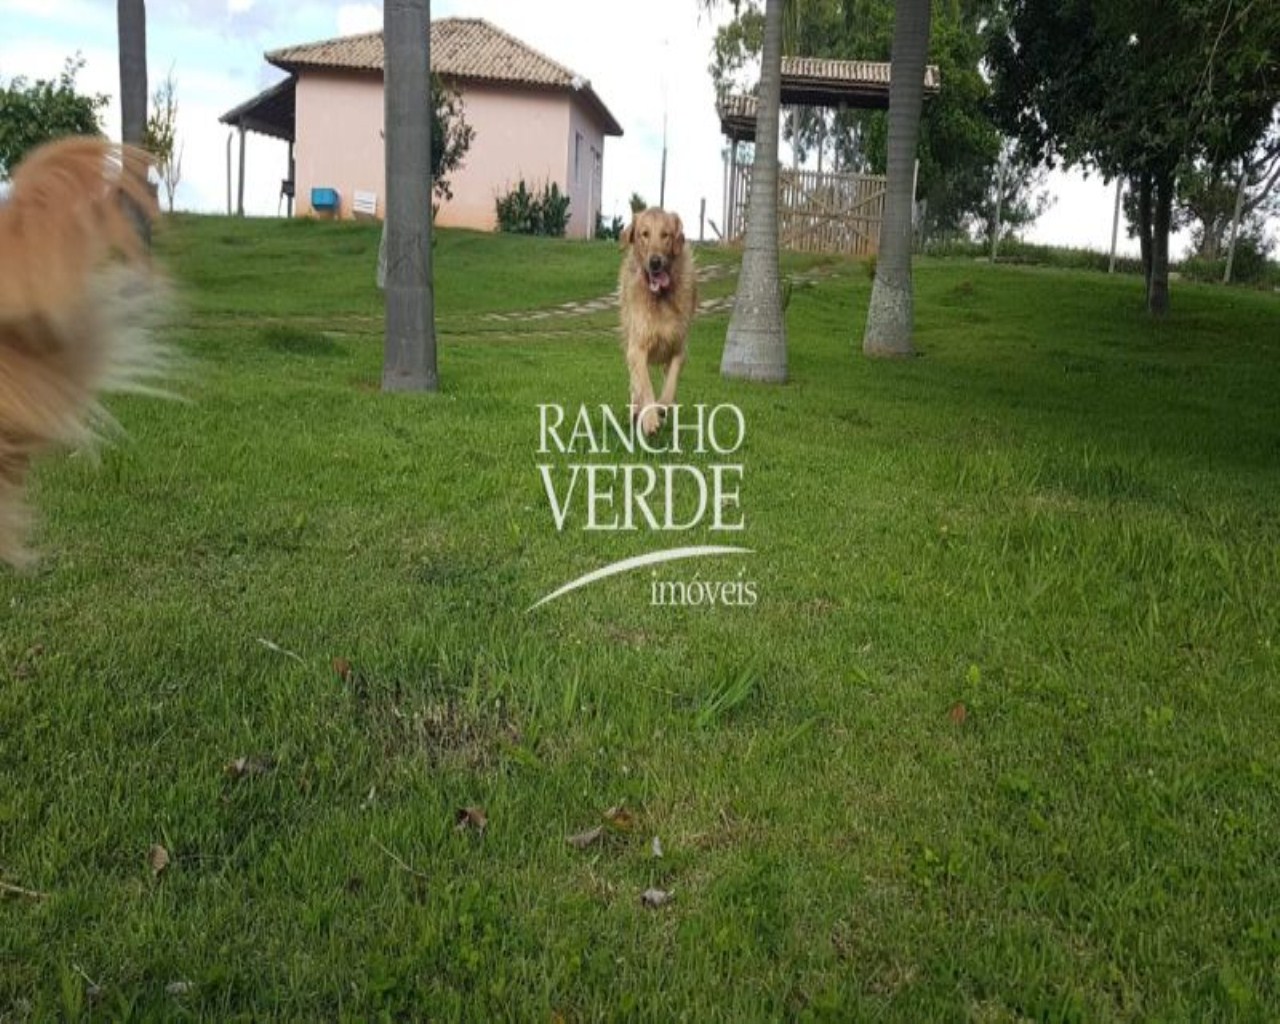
<point>839,213</point>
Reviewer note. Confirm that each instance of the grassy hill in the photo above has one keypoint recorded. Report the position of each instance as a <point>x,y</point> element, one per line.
<point>997,741</point>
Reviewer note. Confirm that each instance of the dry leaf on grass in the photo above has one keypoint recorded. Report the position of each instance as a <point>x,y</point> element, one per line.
<point>620,819</point>
<point>248,766</point>
<point>958,713</point>
<point>471,818</point>
<point>343,668</point>
<point>178,988</point>
<point>654,898</point>
<point>656,847</point>
<point>584,839</point>
<point>158,859</point>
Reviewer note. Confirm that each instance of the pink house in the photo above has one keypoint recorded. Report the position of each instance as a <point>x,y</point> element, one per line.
<point>534,119</point>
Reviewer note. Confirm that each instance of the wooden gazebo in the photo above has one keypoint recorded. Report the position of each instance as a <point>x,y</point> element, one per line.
<point>825,211</point>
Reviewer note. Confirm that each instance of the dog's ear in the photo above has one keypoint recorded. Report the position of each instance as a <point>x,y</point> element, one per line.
<point>679,229</point>
<point>627,234</point>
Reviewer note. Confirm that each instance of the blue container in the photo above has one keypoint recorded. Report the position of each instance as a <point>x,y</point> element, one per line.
<point>324,199</point>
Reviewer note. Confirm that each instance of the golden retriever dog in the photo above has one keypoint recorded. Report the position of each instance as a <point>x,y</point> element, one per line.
<point>658,295</point>
<point>77,299</point>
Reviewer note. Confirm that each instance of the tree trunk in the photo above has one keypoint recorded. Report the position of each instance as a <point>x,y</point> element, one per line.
<point>756,345</point>
<point>1144,228</point>
<point>890,318</point>
<point>409,355</point>
<point>131,29</point>
<point>1158,291</point>
<point>1235,228</point>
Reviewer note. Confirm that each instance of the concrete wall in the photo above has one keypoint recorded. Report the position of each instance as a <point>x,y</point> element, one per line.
<point>339,141</point>
<point>519,133</point>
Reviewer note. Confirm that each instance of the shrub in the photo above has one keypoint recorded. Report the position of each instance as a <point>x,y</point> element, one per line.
<point>611,231</point>
<point>1248,266</point>
<point>521,212</point>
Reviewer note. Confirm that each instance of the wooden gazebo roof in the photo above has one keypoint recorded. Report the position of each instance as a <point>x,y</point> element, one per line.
<point>818,82</point>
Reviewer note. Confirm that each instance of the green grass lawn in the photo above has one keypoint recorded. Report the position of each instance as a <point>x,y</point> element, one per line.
<point>1063,518</point>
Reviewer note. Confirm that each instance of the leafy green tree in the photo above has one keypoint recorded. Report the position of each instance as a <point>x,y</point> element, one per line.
<point>1015,197</point>
<point>1211,198</point>
<point>451,136</point>
<point>35,112</point>
<point>161,139</point>
<point>1138,90</point>
<point>959,145</point>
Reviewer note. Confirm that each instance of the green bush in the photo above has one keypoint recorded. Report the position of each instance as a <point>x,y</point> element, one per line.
<point>521,212</point>
<point>611,231</point>
<point>1248,266</point>
<point>1016,251</point>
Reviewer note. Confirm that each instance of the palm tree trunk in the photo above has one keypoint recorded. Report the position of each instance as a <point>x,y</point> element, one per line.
<point>409,356</point>
<point>890,319</point>
<point>756,345</point>
<point>131,29</point>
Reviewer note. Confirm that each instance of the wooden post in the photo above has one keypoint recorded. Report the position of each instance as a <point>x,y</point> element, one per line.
<point>724,191</point>
<point>702,219</point>
<point>731,222</point>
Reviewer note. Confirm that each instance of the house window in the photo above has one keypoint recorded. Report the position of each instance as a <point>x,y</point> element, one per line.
<point>577,157</point>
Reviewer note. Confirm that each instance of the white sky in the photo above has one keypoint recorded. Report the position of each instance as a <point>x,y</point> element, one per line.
<point>641,60</point>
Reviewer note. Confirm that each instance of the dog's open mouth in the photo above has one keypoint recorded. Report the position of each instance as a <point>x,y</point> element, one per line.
<point>659,281</point>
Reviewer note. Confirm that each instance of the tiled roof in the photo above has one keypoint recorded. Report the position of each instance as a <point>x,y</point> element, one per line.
<point>817,82</point>
<point>460,48</point>
<point>465,49</point>
<point>853,72</point>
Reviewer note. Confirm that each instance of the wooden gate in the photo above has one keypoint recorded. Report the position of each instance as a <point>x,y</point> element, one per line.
<point>837,213</point>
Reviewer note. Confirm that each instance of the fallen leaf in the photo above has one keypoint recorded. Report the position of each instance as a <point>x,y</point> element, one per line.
<point>255,765</point>
<point>178,988</point>
<point>958,713</point>
<point>471,817</point>
<point>343,668</point>
<point>584,839</point>
<point>620,819</point>
<point>654,898</point>
<point>656,846</point>
<point>158,858</point>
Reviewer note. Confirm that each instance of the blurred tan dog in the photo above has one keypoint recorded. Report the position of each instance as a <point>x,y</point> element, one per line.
<point>658,294</point>
<point>77,296</point>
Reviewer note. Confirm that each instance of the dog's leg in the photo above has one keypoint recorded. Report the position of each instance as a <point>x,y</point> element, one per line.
<point>672,378</point>
<point>642,400</point>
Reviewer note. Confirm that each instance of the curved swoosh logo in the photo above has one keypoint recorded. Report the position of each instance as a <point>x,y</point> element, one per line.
<point>639,562</point>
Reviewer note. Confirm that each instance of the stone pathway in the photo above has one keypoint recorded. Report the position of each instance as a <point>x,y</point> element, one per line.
<point>709,272</point>
<point>560,317</point>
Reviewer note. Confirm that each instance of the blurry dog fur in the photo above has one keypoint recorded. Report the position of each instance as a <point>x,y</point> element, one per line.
<point>79,302</point>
